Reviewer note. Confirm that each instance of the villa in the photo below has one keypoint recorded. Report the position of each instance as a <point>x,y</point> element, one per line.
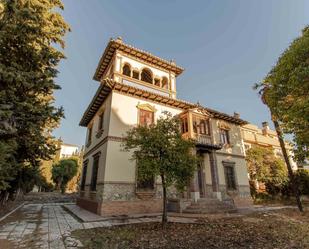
<point>135,87</point>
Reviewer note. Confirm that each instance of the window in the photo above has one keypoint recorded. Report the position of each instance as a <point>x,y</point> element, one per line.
<point>157,82</point>
<point>165,83</point>
<point>224,136</point>
<point>135,74</point>
<point>146,117</point>
<point>93,185</point>
<point>204,127</point>
<point>89,134</point>
<point>126,70</point>
<point>101,121</point>
<point>230,179</point>
<point>146,75</point>
<point>194,124</point>
<point>184,125</point>
<point>83,182</point>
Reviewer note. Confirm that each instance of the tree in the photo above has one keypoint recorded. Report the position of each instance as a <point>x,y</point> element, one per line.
<point>287,86</point>
<point>160,152</point>
<point>285,91</point>
<point>29,32</point>
<point>265,167</point>
<point>63,172</point>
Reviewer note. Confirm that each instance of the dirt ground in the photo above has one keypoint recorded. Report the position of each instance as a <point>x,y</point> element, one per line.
<point>277,229</point>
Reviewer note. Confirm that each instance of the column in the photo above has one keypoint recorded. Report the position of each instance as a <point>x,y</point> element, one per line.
<point>214,175</point>
<point>194,189</point>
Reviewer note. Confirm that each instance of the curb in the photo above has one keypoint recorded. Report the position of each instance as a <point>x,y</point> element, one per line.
<point>9,213</point>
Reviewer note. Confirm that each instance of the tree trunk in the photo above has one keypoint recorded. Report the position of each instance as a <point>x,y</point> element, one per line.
<point>164,214</point>
<point>287,161</point>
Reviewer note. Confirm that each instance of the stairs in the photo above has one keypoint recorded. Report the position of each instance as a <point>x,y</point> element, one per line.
<point>210,206</point>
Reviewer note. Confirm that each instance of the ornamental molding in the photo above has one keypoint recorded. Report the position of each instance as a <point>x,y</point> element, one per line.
<point>224,125</point>
<point>146,107</point>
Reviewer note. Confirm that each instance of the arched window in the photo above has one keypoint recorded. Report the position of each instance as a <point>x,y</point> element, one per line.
<point>157,82</point>
<point>135,74</point>
<point>126,70</point>
<point>165,83</point>
<point>146,75</point>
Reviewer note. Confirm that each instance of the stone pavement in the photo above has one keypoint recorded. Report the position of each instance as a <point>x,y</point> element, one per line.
<point>38,226</point>
<point>49,226</point>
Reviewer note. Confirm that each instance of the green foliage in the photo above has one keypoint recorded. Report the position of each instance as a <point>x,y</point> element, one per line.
<point>160,151</point>
<point>285,91</point>
<point>7,163</point>
<point>29,30</point>
<point>63,172</point>
<point>265,167</point>
<point>302,179</point>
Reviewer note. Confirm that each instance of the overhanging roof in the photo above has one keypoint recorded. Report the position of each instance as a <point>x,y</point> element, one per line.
<point>108,85</point>
<point>119,45</point>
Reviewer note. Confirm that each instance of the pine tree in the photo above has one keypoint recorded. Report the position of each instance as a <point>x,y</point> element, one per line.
<point>30,33</point>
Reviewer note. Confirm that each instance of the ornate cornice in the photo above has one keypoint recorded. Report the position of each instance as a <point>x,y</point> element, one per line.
<point>108,85</point>
<point>118,45</point>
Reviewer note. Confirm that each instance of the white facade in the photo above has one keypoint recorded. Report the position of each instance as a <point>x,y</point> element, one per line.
<point>67,150</point>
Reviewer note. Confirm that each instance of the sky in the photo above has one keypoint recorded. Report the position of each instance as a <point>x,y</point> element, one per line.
<point>225,47</point>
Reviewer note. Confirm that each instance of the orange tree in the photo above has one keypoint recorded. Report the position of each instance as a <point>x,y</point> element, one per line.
<point>160,152</point>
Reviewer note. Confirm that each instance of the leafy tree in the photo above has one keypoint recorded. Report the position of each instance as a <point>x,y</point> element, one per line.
<point>29,31</point>
<point>63,172</point>
<point>285,91</point>
<point>265,167</point>
<point>160,151</point>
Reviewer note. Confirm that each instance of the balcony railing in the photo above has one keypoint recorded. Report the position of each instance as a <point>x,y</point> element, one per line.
<point>199,138</point>
<point>202,139</point>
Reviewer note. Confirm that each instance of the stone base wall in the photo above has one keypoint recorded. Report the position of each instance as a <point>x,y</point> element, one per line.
<point>111,208</point>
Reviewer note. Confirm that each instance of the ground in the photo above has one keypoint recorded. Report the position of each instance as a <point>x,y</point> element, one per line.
<point>276,229</point>
<point>49,225</point>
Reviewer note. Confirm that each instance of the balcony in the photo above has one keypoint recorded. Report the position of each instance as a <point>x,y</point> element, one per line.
<point>198,129</point>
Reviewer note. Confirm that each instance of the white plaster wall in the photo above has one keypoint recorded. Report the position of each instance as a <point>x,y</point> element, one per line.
<point>106,106</point>
<point>119,167</point>
<point>124,113</point>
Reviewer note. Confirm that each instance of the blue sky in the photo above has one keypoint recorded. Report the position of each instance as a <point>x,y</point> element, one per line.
<point>225,47</point>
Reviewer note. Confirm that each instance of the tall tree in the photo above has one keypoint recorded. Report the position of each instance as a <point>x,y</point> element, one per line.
<point>31,31</point>
<point>285,91</point>
<point>160,152</point>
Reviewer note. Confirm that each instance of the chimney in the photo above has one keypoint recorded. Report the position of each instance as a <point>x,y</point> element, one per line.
<point>265,128</point>
<point>236,115</point>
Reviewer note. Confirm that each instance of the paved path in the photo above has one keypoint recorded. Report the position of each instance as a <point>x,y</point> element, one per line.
<point>39,226</point>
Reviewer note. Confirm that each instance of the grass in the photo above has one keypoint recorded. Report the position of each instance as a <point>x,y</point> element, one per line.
<point>281,229</point>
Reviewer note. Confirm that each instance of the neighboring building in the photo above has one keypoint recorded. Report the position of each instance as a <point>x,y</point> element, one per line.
<point>135,88</point>
<point>265,137</point>
<point>63,151</point>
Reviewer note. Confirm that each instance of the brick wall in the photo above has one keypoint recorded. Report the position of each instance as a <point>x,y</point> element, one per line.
<point>130,207</point>
<point>90,205</point>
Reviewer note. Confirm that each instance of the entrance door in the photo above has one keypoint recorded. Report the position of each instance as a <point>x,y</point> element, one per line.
<point>200,177</point>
